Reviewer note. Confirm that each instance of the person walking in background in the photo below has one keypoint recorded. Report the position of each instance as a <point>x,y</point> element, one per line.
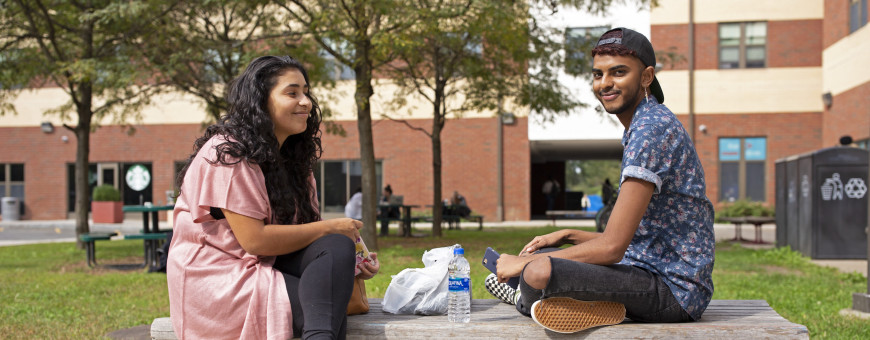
<point>606,191</point>
<point>250,254</point>
<point>551,191</point>
<point>353,208</point>
<point>654,261</point>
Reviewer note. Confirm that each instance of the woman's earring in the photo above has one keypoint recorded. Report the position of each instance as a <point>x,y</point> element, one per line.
<point>645,95</point>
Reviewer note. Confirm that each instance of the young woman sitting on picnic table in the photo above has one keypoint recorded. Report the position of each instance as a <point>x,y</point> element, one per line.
<point>250,257</point>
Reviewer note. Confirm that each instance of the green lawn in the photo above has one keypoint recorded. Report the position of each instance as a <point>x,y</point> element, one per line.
<point>47,290</point>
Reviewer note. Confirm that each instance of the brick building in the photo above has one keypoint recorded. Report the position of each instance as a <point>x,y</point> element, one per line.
<point>770,80</point>
<point>37,164</point>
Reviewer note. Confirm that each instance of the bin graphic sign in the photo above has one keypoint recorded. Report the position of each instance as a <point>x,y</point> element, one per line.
<point>833,189</point>
<point>138,177</point>
<point>805,186</point>
<point>837,231</point>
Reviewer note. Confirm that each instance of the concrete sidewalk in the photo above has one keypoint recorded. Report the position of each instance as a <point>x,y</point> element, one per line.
<point>51,231</point>
<point>28,232</point>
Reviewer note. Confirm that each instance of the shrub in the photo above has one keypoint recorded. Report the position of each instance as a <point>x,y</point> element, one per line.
<point>106,192</point>
<point>744,208</point>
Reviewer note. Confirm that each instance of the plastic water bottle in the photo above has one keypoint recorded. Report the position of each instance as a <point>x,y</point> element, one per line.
<point>459,294</point>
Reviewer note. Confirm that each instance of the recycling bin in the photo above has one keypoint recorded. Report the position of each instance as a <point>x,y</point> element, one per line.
<point>784,195</point>
<point>825,204</point>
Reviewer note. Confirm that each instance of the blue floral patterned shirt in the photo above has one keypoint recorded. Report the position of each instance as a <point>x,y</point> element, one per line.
<point>675,236</point>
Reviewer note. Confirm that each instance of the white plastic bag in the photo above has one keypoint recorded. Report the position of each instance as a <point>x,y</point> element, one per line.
<point>421,290</point>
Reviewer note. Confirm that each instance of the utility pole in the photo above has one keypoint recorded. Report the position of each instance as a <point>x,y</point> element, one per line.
<point>692,70</point>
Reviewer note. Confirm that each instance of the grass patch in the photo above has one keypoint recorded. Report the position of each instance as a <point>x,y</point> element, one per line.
<point>797,289</point>
<point>47,290</point>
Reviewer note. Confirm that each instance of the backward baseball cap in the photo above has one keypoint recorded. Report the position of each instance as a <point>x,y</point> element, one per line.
<point>643,48</point>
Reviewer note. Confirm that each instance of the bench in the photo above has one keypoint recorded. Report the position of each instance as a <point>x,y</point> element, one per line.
<point>724,319</point>
<point>455,221</point>
<point>89,239</point>
<point>553,214</point>
<point>153,241</point>
<point>403,229</point>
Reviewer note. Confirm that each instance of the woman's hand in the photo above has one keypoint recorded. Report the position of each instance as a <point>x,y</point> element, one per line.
<point>553,239</point>
<point>368,270</point>
<point>346,226</point>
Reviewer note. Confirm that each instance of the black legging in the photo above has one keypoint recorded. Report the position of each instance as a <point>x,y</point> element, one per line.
<point>319,281</point>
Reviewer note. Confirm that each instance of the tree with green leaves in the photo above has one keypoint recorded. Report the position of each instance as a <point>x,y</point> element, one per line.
<point>199,47</point>
<point>588,175</point>
<point>475,49</point>
<point>82,47</point>
<point>493,54</point>
<point>353,32</point>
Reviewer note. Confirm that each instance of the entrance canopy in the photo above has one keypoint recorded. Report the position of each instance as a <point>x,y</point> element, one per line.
<point>543,151</point>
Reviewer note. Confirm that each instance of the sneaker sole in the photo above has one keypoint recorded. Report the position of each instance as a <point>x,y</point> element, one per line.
<point>566,315</point>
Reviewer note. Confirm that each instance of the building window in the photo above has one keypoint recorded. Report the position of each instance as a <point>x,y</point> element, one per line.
<point>742,45</point>
<point>578,42</point>
<point>857,14</point>
<point>12,180</point>
<point>338,180</point>
<point>741,168</point>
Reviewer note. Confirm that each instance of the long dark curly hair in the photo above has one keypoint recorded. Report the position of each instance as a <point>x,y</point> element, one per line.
<point>252,139</point>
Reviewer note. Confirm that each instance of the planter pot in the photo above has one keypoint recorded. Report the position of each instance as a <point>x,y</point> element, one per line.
<point>107,212</point>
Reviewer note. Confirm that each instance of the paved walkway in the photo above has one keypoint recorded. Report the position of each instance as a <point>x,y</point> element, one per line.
<point>27,232</point>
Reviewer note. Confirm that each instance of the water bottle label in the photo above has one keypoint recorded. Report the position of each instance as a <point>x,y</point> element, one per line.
<point>459,285</point>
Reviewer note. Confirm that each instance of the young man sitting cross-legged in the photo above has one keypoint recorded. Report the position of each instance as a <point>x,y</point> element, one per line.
<point>654,261</point>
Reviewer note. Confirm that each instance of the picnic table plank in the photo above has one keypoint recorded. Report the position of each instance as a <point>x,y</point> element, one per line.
<point>493,319</point>
<point>750,319</point>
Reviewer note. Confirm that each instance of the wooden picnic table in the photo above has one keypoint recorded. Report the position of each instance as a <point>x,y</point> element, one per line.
<point>150,242</point>
<point>405,228</point>
<point>492,319</point>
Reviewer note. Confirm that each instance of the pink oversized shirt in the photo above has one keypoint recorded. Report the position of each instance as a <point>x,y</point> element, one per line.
<point>216,289</point>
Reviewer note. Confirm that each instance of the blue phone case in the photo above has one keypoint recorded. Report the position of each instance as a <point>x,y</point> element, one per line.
<point>490,259</point>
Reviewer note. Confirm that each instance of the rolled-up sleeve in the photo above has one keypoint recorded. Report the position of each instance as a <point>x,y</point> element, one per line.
<point>649,154</point>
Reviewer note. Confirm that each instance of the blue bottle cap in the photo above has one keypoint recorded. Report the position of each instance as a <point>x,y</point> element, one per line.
<point>459,251</point>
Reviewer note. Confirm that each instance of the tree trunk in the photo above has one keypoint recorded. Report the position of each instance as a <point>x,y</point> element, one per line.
<point>83,147</point>
<point>362,96</point>
<point>437,124</point>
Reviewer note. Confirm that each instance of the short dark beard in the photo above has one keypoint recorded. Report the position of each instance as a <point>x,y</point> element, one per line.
<point>627,104</point>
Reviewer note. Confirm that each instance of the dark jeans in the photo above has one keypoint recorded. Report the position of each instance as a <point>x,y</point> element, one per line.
<point>319,281</point>
<point>645,296</point>
<point>385,214</point>
<point>551,201</point>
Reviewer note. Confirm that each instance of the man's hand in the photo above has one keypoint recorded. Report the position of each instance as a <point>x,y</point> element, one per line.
<point>509,266</point>
<point>553,239</point>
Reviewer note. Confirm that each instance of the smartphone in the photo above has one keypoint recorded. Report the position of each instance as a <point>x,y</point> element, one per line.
<point>362,255</point>
<point>490,259</point>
